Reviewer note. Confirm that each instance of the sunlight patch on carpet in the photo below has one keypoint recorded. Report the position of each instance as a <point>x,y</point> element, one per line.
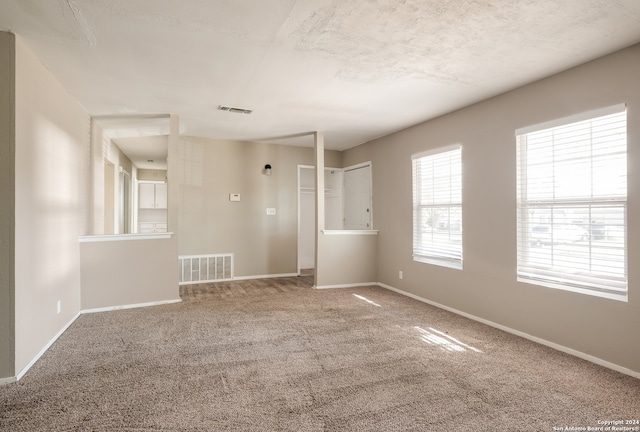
<point>363,298</point>
<point>443,340</point>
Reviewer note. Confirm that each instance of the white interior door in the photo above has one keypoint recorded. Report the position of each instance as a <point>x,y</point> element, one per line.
<point>357,198</point>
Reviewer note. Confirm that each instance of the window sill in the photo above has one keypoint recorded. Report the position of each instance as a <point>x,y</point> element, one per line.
<point>454,264</point>
<point>350,232</point>
<point>623,297</point>
<point>123,237</point>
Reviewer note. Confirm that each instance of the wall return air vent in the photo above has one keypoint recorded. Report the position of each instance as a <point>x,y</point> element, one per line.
<point>235,110</point>
<point>205,268</point>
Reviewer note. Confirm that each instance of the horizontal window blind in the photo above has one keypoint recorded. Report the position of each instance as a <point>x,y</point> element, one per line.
<point>572,200</point>
<point>437,207</point>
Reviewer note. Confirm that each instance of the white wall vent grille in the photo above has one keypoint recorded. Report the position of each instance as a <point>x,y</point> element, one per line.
<point>205,268</point>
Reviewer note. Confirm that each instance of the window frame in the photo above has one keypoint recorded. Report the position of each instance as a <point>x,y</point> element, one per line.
<point>588,282</point>
<point>449,258</point>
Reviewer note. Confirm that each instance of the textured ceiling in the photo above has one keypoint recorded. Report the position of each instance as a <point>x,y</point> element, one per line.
<point>353,69</point>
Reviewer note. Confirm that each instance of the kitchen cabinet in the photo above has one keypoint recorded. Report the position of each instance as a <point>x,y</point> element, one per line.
<point>151,227</point>
<point>152,207</point>
<point>152,196</point>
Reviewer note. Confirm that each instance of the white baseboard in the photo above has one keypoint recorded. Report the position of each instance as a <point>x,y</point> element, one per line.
<point>8,380</point>
<point>131,306</point>
<point>51,342</point>
<point>46,347</point>
<point>536,339</point>
<point>354,285</point>
<point>204,282</point>
<point>265,276</point>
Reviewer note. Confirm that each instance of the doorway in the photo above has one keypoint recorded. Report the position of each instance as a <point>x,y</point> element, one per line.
<point>348,206</point>
<point>124,213</point>
<point>333,178</point>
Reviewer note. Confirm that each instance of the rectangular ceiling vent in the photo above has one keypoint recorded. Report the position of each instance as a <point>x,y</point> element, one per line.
<point>235,110</point>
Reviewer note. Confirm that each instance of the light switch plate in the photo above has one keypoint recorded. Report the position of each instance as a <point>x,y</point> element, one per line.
<point>234,197</point>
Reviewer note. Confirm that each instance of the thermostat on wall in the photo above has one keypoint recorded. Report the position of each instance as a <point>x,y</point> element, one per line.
<point>234,197</point>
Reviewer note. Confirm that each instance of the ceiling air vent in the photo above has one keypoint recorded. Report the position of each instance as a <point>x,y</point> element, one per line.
<point>235,110</point>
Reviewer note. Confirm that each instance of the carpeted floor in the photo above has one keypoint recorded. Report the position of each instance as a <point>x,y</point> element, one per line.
<point>298,359</point>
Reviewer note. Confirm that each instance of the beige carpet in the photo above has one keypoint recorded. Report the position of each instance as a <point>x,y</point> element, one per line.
<point>363,359</point>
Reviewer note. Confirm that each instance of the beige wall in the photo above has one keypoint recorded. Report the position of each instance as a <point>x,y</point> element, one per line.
<point>120,271</point>
<point>152,175</point>
<point>7,209</point>
<point>346,259</point>
<point>52,180</point>
<point>487,286</point>
<point>208,223</point>
<point>97,207</point>
<point>109,200</point>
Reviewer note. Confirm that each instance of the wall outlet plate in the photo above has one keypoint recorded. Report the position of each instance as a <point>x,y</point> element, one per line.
<point>234,197</point>
<point>271,211</point>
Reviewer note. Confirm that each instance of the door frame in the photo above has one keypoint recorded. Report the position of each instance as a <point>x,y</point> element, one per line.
<point>312,167</point>
<point>344,195</point>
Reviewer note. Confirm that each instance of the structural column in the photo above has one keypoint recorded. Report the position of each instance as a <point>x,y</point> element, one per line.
<point>319,183</point>
<point>173,167</point>
<point>8,208</point>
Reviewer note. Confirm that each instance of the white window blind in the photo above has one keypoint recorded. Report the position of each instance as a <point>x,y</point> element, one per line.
<point>437,207</point>
<point>572,201</point>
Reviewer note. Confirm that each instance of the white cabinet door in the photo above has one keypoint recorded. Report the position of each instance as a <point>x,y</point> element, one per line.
<point>161,195</point>
<point>145,228</point>
<point>147,196</point>
<point>152,196</point>
<point>149,227</point>
<point>357,198</point>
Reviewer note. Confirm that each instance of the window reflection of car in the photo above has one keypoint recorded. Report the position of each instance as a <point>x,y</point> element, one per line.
<point>540,235</point>
<point>570,234</point>
<point>544,234</point>
<point>598,231</point>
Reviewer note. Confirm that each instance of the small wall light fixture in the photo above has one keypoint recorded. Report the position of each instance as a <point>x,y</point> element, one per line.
<point>267,169</point>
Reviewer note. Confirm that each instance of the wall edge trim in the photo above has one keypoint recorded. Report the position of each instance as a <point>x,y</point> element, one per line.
<point>264,276</point>
<point>353,285</point>
<point>130,306</point>
<point>63,329</point>
<point>7,380</point>
<point>124,237</point>
<point>45,348</point>
<point>532,338</point>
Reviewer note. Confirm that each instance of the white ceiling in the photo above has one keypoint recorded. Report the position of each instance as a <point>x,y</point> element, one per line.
<point>353,69</point>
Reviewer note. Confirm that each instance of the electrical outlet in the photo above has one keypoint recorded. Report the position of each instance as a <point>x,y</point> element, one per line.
<point>400,275</point>
<point>271,211</point>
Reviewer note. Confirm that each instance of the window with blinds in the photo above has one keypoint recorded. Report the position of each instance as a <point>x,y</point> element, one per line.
<point>572,203</point>
<point>437,207</point>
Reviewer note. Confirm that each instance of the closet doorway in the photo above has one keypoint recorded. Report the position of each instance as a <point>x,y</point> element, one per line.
<point>333,178</point>
<point>348,206</point>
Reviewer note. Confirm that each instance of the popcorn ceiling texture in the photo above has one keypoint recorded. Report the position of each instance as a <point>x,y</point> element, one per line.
<point>355,70</point>
<point>438,40</point>
<point>270,355</point>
